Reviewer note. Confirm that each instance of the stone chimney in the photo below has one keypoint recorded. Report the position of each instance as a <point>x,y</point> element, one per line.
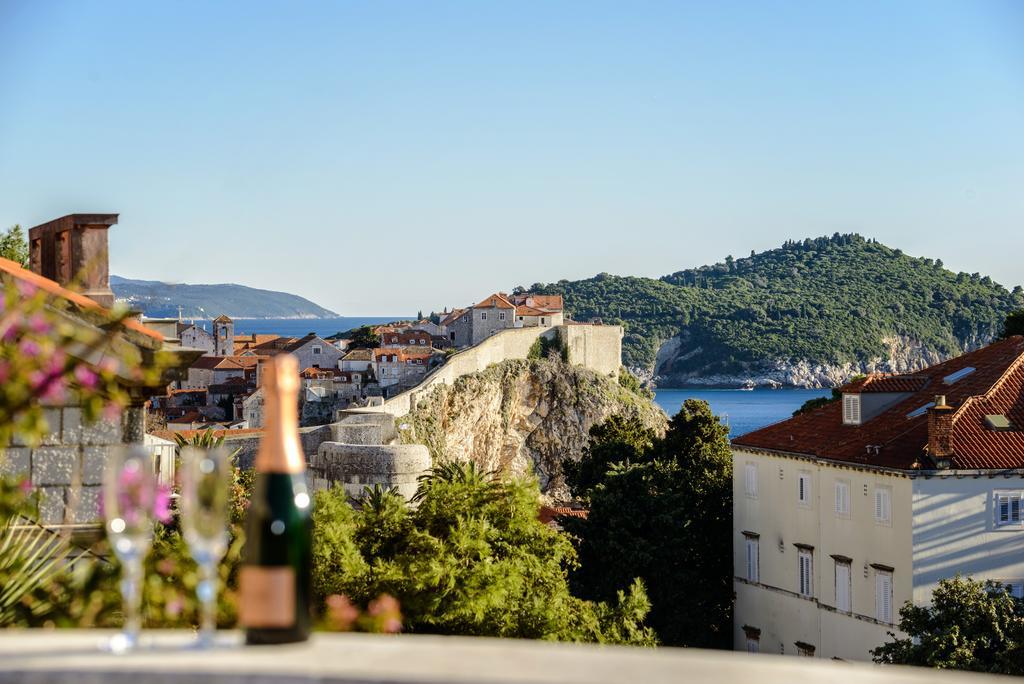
<point>940,429</point>
<point>72,250</point>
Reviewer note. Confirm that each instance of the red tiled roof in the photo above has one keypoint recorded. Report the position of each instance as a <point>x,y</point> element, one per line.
<point>883,383</point>
<point>81,301</point>
<point>496,300</point>
<point>452,317</point>
<point>995,387</point>
<point>549,513</point>
<point>524,310</point>
<point>549,302</point>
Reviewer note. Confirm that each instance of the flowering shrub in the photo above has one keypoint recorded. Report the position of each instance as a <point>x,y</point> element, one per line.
<point>41,353</point>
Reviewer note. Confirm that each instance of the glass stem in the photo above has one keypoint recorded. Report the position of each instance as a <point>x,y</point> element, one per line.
<point>131,593</point>
<point>207,592</point>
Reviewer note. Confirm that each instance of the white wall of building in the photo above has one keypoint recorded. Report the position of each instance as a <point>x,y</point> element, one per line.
<point>955,530</point>
<point>774,603</point>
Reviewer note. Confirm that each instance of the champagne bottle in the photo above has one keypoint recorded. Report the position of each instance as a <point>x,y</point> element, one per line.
<point>275,578</point>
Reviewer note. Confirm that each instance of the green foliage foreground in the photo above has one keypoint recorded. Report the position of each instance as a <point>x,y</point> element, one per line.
<point>660,510</point>
<point>470,559</point>
<point>969,625</point>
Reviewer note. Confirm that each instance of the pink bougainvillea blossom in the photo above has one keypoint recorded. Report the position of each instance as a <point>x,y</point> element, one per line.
<point>86,377</point>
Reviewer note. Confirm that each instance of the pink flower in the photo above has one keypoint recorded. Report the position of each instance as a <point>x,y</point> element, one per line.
<point>39,325</point>
<point>36,379</point>
<point>166,566</point>
<point>162,504</point>
<point>29,348</point>
<point>86,377</point>
<point>174,606</point>
<point>26,289</point>
<point>25,486</point>
<point>107,365</point>
<point>54,390</point>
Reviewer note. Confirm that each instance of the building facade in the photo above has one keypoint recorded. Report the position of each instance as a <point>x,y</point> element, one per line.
<point>844,513</point>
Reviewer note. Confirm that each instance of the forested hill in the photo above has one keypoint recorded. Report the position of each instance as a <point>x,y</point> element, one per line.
<point>844,303</point>
<point>156,299</point>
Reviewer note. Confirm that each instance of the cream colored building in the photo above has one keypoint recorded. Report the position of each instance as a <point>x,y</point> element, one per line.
<point>845,513</point>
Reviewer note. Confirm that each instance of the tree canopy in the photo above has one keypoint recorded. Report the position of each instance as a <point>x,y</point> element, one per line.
<point>14,246</point>
<point>831,299</point>
<point>1014,324</point>
<point>969,625</point>
<point>471,558</point>
<point>660,510</point>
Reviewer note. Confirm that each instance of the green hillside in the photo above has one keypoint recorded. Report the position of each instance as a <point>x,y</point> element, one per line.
<point>826,300</point>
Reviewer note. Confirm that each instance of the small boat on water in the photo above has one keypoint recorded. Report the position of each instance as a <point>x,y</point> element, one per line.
<point>748,386</point>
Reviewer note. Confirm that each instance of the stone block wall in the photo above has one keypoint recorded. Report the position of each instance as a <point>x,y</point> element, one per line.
<point>66,467</point>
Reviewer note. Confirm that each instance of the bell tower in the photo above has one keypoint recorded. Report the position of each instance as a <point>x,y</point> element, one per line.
<point>223,336</point>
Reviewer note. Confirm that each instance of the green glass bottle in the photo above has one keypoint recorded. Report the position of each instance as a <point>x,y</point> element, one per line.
<point>275,592</point>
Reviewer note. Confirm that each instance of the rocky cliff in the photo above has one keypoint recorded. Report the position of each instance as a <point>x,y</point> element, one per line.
<point>903,355</point>
<point>522,416</point>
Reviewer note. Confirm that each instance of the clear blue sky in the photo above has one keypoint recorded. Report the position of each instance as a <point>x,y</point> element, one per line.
<point>381,157</point>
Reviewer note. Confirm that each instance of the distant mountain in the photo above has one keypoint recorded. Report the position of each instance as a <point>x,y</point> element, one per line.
<point>810,313</point>
<point>158,300</point>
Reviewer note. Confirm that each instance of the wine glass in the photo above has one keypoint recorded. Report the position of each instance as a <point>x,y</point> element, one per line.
<point>129,502</point>
<point>205,486</point>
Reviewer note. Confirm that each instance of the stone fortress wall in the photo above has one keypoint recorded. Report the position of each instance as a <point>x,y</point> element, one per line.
<point>361,448</point>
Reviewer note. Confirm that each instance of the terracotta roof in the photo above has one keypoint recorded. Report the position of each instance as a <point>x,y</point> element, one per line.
<point>549,302</point>
<point>496,300</point>
<point>996,386</point>
<point>79,300</point>
<point>225,362</point>
<point>524,310</point>
<point>358,355</point>
<point>885,383</point>
<point>452,317</point>
<point>549,513</point>
<point>222,319</point>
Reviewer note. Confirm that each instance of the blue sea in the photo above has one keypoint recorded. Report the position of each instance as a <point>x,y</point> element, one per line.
<point>297,327</point>
<point>742,410</point>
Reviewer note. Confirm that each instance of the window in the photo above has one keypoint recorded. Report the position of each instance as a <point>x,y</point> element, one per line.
<point>542,321</point>
<point>423,341</point>
<point>753,644</point>
<point>843,498</point>
<point>843,585</point>
<point>317,350</point>
<point>483,315</point>
<point>750,483</point>
<point>1007,508</point>
<point>920,410</point>
<point>805,650</point>
<point>883,505</point>
<point>883,596</point>
<point>804,489</point>
<point>959,375</point>
<point>501,315</point>
<point>805,567</point>
<point>851,409</point>
<point>753,557</point>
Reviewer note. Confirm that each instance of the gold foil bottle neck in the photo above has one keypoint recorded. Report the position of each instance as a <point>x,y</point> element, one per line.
<point>280,450</point>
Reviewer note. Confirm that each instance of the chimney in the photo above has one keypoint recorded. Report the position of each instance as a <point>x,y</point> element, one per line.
<point>72,250</point>
<point>940,430</point>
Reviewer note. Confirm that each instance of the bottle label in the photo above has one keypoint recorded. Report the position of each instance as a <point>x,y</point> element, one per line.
<point>266,596</point>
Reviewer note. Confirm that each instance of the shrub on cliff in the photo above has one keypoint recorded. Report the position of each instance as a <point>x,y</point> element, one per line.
<point>471,559</point>
<point>661,511</point>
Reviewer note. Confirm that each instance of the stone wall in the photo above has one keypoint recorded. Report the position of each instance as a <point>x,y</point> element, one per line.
<point>357,466</point>
<point>67,466</point>
<point>597,347</point>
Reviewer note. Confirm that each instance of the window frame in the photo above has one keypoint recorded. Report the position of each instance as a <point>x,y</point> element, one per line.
<point>852,409</point>
<point>752,555</point>
<point>805,577</point>
<point>842,490</point>
<point>882,512</point>
<point>848,566</point>
<point>804,493</point>
<point>1011,496</point>
<point>883,609</point>
<point>750,480</point>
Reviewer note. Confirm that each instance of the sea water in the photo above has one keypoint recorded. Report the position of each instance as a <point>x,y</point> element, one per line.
<point>742,410</point>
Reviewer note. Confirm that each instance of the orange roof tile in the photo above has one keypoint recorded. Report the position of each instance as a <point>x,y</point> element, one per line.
<point>496,300</point>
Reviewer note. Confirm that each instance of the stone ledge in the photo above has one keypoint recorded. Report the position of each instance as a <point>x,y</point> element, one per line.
<point>73,657</point>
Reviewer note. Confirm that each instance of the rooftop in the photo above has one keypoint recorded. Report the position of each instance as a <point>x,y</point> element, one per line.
<point>988,381</point>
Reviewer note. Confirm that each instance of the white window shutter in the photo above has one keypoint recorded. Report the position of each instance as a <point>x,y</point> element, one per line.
<point>843,586</point>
